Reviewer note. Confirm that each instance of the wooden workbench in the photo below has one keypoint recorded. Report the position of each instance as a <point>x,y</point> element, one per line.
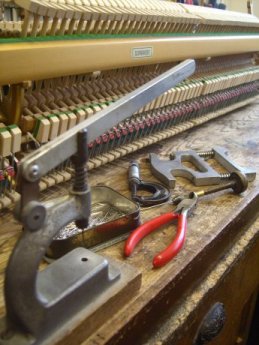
<point>219,262</point>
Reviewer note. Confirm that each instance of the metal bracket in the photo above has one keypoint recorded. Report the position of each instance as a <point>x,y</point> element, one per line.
<point>166,170</point>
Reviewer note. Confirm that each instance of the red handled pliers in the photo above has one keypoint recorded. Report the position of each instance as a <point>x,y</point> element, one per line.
<point>184,208</point>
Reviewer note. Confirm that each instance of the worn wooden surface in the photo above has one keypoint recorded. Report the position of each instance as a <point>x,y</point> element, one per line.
<point>239,133</point>
<point>232,282</point>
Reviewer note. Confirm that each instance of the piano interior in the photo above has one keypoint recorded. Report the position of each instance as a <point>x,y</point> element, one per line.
<point>63,61</point>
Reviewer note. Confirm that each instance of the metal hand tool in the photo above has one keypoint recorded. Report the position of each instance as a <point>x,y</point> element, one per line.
<point>185,205</point>
<point>157,193</point>
<point>166,171</point>
<point>38,304</point>
<point>182,211</point>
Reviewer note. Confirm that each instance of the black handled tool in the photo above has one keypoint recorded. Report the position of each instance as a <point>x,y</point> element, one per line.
<point>157,193</point>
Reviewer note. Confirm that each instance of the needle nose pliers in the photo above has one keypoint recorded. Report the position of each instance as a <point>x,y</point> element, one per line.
<point>183,209</point>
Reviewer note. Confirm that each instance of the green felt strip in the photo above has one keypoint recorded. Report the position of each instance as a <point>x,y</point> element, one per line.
<point>118,36</point>
<point>11,127</point>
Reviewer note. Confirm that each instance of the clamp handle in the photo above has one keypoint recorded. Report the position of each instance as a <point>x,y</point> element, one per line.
<point>143,230</point>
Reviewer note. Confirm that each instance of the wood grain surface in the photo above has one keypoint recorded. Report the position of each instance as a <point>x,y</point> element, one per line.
<point>239,133</point>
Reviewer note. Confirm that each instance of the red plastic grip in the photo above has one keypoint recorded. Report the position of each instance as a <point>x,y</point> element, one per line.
<point>145,229</point>
<point>173,249</point>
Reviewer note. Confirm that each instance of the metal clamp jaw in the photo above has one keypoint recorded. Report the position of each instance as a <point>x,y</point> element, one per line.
<point>168,170</point>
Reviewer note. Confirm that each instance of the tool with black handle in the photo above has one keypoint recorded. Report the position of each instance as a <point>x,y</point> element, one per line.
<point>156,193</point>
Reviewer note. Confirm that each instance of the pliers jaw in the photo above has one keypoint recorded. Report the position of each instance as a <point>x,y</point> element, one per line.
<point>185,203</point>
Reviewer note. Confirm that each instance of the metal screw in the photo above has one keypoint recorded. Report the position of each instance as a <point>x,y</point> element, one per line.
<point>239,184</point>
<point>206,154</point>
<point>79,160</point>
<point>80,179</point>
<point>211,154</point>
<point>225,176</point>
<point>32,173</point>
<point>34,215</point>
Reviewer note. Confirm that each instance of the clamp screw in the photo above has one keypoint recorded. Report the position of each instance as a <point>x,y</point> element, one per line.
<point>225,176</point>
<point>80,179</point>
<point>206,154</point>
<point>211,154</point>
<point>79,160</point>
<point>238,183</point>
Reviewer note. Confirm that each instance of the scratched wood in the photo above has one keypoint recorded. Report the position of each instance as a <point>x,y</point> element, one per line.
<point>232,282</point>
<point>238,132</point>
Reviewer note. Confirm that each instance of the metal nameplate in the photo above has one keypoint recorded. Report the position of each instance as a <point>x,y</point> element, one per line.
<point>142,52</point>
